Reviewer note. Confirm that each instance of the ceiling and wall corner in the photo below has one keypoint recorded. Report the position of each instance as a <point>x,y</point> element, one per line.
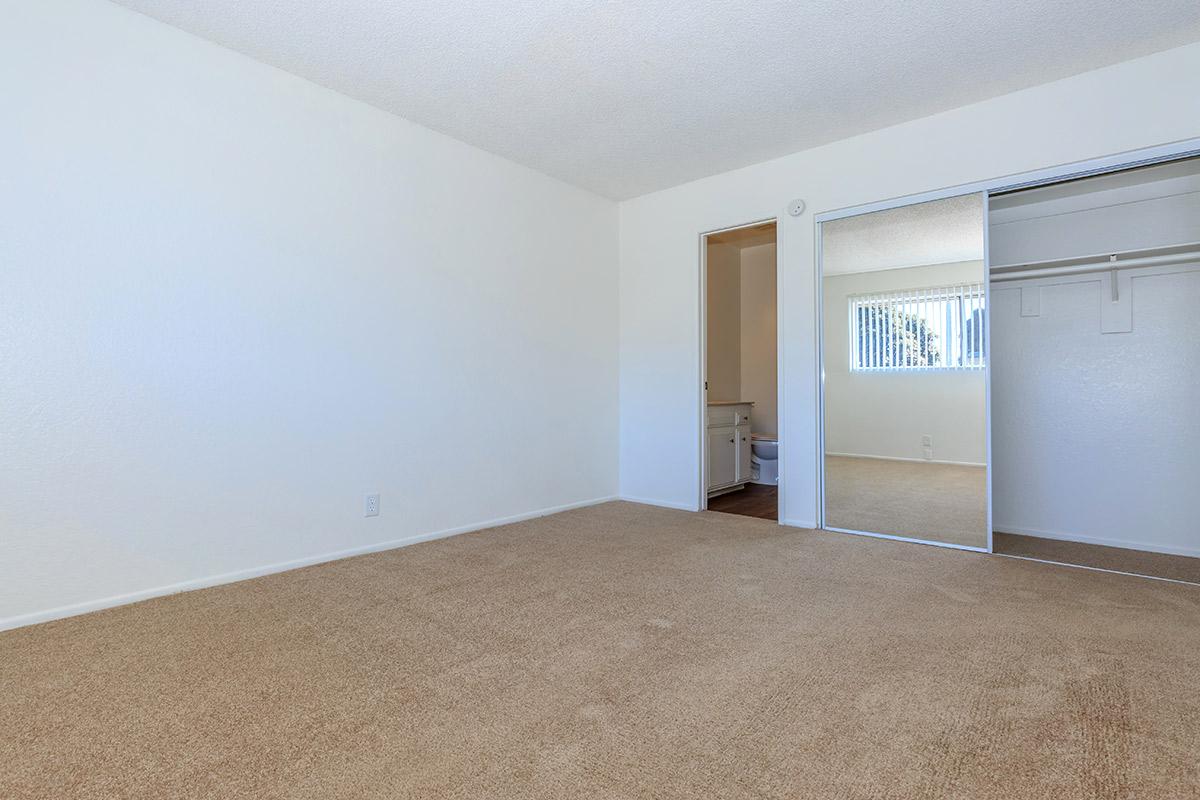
<point>629,98</point>
<point>268,280</point>
<point>233,303</point>
<point>1060,123</point>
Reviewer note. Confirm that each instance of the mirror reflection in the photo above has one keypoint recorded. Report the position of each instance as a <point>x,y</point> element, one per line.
<point>904,356</point>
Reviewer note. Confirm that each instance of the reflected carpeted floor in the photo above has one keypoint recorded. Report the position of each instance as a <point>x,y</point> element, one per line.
<point>620,651</point>
<point>915,499</point>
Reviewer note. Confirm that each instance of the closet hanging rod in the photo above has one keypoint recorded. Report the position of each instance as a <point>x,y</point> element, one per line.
<point>1106,255</point>
<point>1105,264</point>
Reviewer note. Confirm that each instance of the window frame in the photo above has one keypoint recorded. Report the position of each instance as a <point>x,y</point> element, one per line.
<point>961,333</point>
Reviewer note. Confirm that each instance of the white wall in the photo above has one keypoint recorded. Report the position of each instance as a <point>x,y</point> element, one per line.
<point>1094,435</point>
<point>232,303</point>
<point>1058,123</point>
<point>724,322</point>
<point>885,414</point>
<point>759,356</point>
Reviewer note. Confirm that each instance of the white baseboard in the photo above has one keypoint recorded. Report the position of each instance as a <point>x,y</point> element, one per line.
<point>86,607</point>
<point>811,524</point>
<point>901,458</point>
<point>645,501</point>
<point>1126,544</point>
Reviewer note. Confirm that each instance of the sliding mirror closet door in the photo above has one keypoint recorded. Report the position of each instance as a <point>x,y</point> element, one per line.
<point>904,350</point>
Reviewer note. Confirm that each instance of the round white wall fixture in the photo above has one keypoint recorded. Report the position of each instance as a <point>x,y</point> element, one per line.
<point>796,208</point>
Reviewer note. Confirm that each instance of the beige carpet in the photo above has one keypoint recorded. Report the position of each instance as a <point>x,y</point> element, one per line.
<point>618,652</point>
<point>919,500</point>
<point>1120,559</point>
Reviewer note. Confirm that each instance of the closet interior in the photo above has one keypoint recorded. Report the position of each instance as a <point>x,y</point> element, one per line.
<point>1095,371</point>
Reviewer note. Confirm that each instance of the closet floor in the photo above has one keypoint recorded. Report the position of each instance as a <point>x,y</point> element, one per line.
<point>1117,559</point>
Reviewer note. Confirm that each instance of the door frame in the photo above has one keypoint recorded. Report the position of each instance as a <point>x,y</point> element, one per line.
<point>702,401</point>
<point>1173,151</point>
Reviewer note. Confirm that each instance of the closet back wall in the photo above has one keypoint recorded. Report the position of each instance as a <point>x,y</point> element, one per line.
<point>233,302</point>
<point>1095,436</point>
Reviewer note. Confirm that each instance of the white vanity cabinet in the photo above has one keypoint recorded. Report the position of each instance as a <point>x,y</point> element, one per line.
<point>728,430</point>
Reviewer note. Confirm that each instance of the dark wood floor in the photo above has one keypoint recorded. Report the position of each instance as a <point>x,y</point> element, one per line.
<point>753,501</point>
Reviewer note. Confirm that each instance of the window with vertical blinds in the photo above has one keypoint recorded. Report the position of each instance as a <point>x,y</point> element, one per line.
<point>916,329</point>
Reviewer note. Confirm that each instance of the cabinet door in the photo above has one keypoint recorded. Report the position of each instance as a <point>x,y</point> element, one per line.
<point>743,443</point>
<point>722,457</point>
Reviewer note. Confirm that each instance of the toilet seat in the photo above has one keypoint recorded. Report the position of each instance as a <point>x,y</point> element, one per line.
<point>764,446</point>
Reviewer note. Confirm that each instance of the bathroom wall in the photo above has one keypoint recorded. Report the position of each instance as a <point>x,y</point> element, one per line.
<point>741,327</point>
<point>759,356</point>
<point>885,414</point>
<point>724,322</point>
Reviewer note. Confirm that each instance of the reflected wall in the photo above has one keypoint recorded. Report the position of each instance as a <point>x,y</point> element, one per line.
<point>905,380</point>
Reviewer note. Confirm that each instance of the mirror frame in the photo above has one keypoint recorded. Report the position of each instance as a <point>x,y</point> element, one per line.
<point>819,289</point>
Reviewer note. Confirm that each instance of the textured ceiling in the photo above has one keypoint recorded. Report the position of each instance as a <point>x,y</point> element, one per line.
<point>937,232</point>
<point>625,98</point>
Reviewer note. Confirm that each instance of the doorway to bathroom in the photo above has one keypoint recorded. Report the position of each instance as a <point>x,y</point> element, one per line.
<point>740,371</point>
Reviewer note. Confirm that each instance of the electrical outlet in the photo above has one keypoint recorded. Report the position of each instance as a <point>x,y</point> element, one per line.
<point>371,506</point>
<point>927,441</point>
<point>928,453</point>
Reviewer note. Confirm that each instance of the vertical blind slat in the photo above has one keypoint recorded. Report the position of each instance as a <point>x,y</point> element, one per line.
<point>877,331</point>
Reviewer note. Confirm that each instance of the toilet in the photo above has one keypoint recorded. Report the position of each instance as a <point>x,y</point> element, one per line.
<point>764,459</point>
